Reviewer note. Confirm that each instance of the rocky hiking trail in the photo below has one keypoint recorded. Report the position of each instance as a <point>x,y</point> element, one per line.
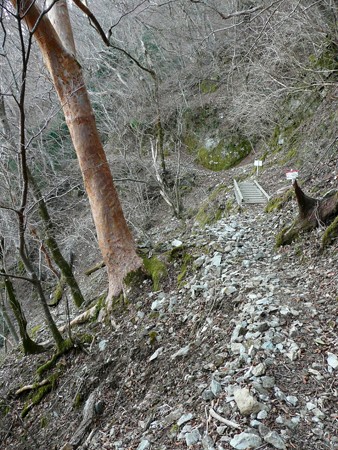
<point>241,354</point>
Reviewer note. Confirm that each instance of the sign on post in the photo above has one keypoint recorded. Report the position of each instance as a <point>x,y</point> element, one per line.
<point>292,175</point>
<point>258,164</point>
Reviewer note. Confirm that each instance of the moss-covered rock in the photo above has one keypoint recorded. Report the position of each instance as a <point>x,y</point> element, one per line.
<point>225,154</point>
<point>214,148</point>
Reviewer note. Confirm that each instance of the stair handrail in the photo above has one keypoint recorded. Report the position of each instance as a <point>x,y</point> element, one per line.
<point>238,193</point>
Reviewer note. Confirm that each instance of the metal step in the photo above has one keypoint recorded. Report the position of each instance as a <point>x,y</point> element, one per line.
<point>250,192</point>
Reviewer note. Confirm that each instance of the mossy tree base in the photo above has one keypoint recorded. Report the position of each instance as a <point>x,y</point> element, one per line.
<point>66,347</point>
<point>312,213</point>
<point>330,234</point>
<point>29,346</point>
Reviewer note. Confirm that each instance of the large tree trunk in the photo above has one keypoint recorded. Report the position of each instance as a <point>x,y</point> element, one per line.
<point>312,212</point>
<point>115,240</point>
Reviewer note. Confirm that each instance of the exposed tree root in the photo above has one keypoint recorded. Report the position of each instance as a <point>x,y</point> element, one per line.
<point>30,387</point>
<point>312,213</point>
<point>91,313</point>
<point>94,268</point>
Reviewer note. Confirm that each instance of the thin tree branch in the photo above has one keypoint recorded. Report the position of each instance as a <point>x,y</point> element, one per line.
<point>17,277</point>
<point>229,16</point>
<point>106,39</point>
<point>124,15</point>
<point>91,16</point>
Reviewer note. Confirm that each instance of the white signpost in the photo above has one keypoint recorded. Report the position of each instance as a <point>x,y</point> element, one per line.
<point>258,164</point>
<point>292,175</point>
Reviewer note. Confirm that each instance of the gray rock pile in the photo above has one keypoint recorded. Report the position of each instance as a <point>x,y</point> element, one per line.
<point>244,356</point>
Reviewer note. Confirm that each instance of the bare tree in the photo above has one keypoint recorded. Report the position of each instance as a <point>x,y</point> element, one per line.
<point>48,232</point>
<point>114,237</point>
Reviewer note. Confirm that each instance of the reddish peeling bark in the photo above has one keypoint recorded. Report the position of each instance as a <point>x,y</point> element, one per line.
<point>114,237</point>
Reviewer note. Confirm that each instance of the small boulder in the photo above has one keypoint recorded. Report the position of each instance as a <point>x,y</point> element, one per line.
<point>245,441</point>
<point>246,403</point>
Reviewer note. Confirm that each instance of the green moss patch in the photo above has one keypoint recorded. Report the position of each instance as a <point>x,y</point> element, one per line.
<point>58,292</point>
<point>78,401</point>
<point>183,261</point>
<point>277,203</point>
<point>4,408</point>
<point>208,86</point>
<point>34,330</point>
<point>135,277</point>
<point>156,269</point>
<point>36,399</point>
<point>39,393</point>
<point>328,58</point>
<point>66,346</point>
<point>224,155</point>
<point>281,237</point>
<point>330,234</point>
<point>153,337</point>
<point>214,207</point>
<point>187,263</point>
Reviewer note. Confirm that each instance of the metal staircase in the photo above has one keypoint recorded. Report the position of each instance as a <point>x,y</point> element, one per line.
<point>250,192</point>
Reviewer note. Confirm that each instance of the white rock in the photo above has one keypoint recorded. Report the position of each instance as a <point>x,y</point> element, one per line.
<point>245,440</point>
<point>262,415</point>
<point>229,290</point>
<point>184,419</point>
<point>237,348</point>
<point>103,345</point>
<point>245,402</point>
<point>275,440</point>
<point>208,443</point>
<point>176,243</point>
<point>156,354</point>
<point>216,388</point>
<point>293,352</point>
<point>157,305</point>
<point>259,370</point>
<point>216,260</point>
<point>186,429</point>
<point>193,437</point>
<point>318,413</point>
<point>181,352</point>
<point>332,360</point>
<point>292,399</point>
<point>310,406</point>
<point>143,445</point>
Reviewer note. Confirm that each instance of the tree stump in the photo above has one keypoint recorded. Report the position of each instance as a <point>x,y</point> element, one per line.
<point>312,213</point>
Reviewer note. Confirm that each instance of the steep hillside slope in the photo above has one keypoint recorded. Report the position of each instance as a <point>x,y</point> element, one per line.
<point>238,348</point>
<point>232,343</point>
